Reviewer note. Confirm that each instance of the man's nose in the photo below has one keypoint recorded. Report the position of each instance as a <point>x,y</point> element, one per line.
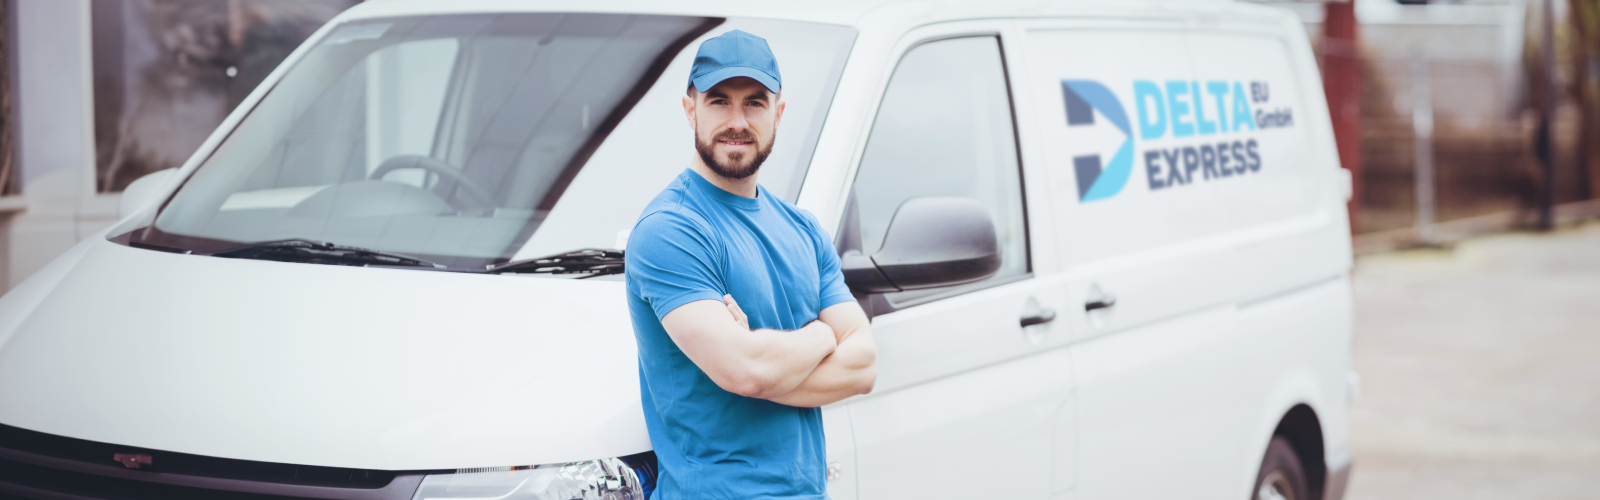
<point>736,119</point>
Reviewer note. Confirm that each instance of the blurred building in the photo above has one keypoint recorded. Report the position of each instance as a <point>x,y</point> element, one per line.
<point>1475,45</point>
<point>1477,60</point>
<point>100,92</point>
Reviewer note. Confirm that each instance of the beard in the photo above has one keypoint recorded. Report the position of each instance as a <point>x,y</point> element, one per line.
<point>738,165</point>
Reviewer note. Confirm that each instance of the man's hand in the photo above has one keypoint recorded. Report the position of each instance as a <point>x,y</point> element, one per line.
<point>760,364</point>
<point>738,314</point>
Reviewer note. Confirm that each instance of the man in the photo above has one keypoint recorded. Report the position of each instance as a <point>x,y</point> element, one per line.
<point>742,317</point>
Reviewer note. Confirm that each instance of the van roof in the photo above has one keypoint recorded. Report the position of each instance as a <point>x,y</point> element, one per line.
<point>842,12</point>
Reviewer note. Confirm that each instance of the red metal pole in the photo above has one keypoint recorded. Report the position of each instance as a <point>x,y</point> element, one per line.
<point>1341,81</point>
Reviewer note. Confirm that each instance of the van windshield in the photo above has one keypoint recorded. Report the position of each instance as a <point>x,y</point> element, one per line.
<point>473,140</point>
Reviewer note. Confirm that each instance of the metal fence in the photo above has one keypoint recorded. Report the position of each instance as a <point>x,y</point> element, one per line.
<point>1446,140</point>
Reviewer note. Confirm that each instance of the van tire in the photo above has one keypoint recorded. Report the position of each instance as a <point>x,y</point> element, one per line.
<point>1281,476</point>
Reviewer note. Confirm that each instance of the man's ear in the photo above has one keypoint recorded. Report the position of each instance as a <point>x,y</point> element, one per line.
<point>778,117</point>
<point>688,111</point>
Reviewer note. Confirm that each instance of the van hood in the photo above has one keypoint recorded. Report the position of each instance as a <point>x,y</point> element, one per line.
<point>321,365</point>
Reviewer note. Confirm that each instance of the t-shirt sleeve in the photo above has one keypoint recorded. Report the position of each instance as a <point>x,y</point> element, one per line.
<point>831,277</point>
<point>670,262</point>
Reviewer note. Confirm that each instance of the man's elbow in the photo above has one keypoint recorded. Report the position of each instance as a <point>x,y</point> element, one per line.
<point>866,370</point>
<point>868,379</point>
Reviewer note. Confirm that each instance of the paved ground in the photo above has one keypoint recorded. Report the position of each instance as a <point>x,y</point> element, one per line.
<point>1480,370</point>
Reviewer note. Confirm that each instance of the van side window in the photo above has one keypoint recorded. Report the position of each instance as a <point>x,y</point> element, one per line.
<point>945,128</point>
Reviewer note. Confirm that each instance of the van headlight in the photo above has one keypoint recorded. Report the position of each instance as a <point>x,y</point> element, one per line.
<point>608,479</point>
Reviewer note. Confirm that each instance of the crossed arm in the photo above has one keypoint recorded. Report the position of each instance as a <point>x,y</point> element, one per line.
<point>823,362</point>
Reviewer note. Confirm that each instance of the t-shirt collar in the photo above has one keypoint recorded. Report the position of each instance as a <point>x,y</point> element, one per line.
<point>721,195</point>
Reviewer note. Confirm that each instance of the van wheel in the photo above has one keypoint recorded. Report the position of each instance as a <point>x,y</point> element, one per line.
<point>1281,476</point>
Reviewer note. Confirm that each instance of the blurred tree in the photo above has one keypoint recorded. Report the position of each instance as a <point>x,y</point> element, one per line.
<point>168,71</point>
<point>8,163</point>
<point>1584,36</point>
<point>1543,52</point>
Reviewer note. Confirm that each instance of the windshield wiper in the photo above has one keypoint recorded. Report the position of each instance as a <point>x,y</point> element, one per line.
<point>589,261</point>
<point>321,252</point>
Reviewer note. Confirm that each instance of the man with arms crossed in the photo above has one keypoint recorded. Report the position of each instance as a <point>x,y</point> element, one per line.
<point>743,319</point>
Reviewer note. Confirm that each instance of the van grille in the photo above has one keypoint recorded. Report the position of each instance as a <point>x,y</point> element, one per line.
<point>39,465</point>
<point>45,479</point>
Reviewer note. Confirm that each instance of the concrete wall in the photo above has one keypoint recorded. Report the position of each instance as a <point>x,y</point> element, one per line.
<point>53,85</point>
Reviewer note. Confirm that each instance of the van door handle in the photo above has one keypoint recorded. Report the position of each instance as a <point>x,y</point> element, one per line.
<point>1104,302</point>
<point>1039,318</point>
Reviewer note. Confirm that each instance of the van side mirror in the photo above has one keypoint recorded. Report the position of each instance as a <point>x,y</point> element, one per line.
<point>142,191</point>
<point>931,242</point>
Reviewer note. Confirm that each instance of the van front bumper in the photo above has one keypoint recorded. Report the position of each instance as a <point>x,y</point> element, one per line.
<point>39,465</point>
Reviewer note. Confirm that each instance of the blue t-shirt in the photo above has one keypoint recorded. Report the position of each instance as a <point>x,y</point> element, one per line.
<point>698,242</point>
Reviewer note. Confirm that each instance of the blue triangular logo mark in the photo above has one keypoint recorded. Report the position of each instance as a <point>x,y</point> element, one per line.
<point>1098,179</point>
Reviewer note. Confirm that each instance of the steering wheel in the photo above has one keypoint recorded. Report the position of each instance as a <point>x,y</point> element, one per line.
<point>446,173</point>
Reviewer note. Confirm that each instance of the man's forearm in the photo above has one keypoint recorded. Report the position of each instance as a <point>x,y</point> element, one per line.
<point>850,370</point>
<point>786,359</point>
<point>758,364</point>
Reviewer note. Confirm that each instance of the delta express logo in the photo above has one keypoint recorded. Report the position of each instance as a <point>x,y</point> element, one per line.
<point>1176,121</point>
<point>1097,181</point>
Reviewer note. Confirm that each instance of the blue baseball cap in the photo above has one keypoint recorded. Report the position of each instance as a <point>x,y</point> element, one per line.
<point>735,54</point>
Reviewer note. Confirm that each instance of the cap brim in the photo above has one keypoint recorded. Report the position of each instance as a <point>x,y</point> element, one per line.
<point>708,80</point>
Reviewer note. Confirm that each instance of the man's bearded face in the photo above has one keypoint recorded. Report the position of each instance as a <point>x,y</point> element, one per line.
<point>733,154</point>
<point>735,127</point>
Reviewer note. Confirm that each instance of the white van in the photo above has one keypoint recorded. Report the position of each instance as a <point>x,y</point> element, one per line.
<point>392,272</point>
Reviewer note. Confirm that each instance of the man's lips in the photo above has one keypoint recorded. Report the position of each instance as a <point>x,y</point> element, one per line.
<point>735,143</point>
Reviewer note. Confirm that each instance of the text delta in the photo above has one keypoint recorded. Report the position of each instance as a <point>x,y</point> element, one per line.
<point>1183,109</point>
